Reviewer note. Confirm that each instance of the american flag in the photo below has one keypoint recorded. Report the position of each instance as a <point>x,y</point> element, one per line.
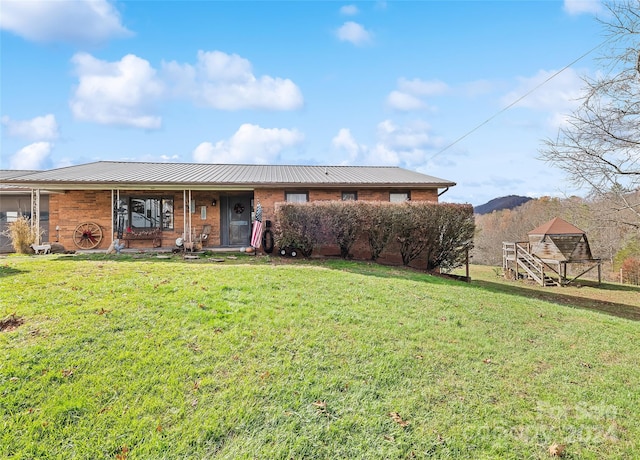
<point>256,234</point>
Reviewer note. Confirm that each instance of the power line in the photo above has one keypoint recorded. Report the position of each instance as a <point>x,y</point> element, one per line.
<point>504,109</point>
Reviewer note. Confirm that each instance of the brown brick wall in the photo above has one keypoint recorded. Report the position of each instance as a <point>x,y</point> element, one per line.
<point>424,195</point>
<point>71,208</point>
<point>202,198</point>
<point>269,197</point>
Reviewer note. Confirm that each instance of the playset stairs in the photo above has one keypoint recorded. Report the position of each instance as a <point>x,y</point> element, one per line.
<point>532,265</point>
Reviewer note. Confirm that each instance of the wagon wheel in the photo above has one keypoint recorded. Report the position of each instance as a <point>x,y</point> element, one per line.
<point>87,235</point>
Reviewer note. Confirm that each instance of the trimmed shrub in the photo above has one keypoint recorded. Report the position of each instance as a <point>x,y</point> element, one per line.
<point>414,227</point>
<point>455,229</point>
<point>441,232</point>
<point>297,225</point>
<point>342,222</point>
<point>377,225</point>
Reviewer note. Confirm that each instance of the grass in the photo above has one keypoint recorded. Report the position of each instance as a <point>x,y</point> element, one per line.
<point>611,298</point>
<point>119,357</point>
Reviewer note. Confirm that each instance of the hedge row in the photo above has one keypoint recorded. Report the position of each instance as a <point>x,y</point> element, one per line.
<point>442,232</point>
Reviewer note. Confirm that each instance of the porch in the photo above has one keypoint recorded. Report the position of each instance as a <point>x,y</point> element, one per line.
<point>151,219</point>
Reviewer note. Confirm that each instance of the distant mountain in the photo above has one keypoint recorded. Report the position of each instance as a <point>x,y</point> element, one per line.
<point>504,202</point>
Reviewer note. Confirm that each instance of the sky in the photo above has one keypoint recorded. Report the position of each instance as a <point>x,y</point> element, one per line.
<point>425,85</point>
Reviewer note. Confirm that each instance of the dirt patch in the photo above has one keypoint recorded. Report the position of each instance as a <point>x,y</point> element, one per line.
<point>10,323</point>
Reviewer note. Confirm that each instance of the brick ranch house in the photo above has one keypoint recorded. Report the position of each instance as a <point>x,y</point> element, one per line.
<point>171,200</point>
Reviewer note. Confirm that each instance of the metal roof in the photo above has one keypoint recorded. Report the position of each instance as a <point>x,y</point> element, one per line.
<point>6,174</point>
<point>198,175</point>
<point>10,173</point>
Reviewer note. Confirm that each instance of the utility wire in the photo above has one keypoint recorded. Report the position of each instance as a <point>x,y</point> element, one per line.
<point>504,109</point>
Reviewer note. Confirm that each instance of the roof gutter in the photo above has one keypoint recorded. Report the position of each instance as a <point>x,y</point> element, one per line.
<point>72,185</point>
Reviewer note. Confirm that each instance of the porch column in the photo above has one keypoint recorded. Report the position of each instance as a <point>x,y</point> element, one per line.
<point>35,214</point>
<point>190,216</point>
<point>186,215</point>
<point>113,215</point>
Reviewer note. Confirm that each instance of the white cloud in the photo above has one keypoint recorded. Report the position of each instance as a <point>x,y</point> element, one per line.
<point>558,96</point>
<point>413,136</point>
<point>575,7</point>
<point>39,128</point>
<point>125,92</point>
<point>226,82</point>
<point>345,142</point>
<point>349,10</point>
<point>408,145</point>
<point>116,93</point>
<point>354,33</point>
<point>78,22</point>
<point>33,156</point>
<point>250,144</point>
<point>419,87</point>
<point>404,102</point>
<point>408,96</point>
<point>381,155</point>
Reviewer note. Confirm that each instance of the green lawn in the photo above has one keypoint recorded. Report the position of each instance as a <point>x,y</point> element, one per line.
<point>120,357</point>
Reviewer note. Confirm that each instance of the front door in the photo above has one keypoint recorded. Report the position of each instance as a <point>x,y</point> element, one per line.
<point>236,226</point>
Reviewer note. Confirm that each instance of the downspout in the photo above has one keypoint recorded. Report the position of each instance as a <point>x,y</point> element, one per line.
<point>443,192</point>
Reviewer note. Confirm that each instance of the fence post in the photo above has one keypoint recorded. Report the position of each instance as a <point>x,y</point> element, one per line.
<point>467,264</point>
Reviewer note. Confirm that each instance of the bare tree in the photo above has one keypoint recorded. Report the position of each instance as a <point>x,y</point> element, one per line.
<point>600,146</point>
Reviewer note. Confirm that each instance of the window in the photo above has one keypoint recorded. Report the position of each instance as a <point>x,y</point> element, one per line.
<point>399,197</point>
<point>349,196</point>
<point>167,213</point>
<point>296,197</point>
<point>11,216</point>
<point>145,212</point>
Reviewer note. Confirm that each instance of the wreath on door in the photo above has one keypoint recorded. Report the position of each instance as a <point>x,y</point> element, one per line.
<point>238,208</point>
